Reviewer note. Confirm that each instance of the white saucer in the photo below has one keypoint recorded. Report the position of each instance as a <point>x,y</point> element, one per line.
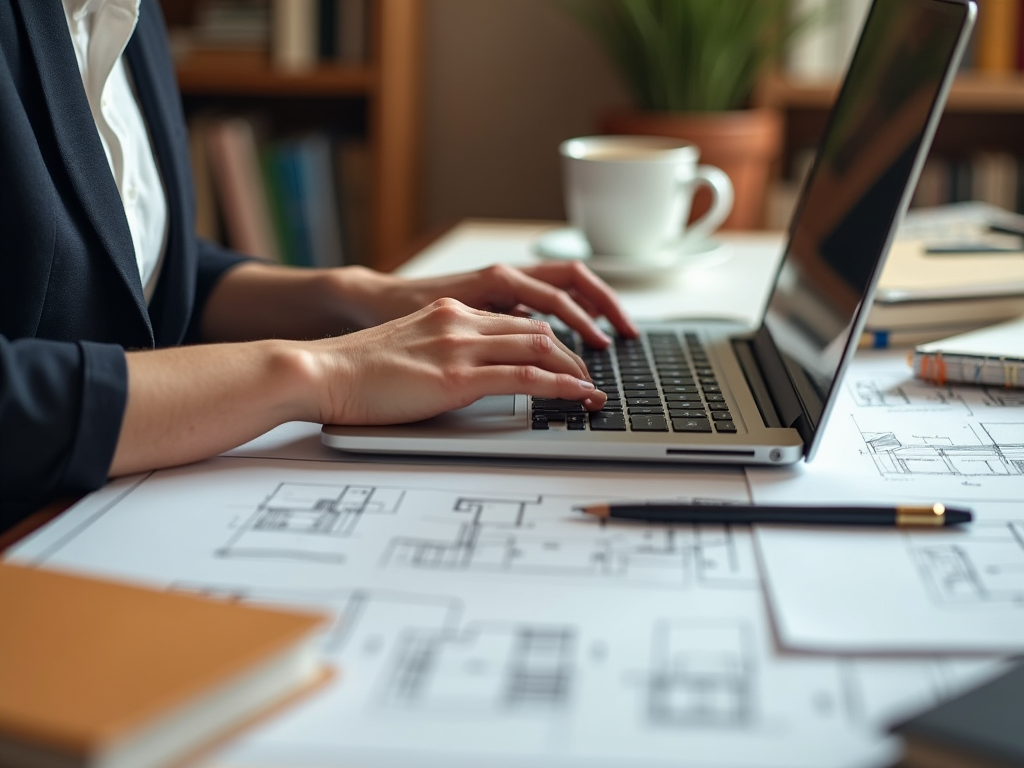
<point>569,244</point>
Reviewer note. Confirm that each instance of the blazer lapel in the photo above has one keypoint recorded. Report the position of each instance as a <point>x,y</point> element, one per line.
<point>156,88</point>
<point>79,142</point>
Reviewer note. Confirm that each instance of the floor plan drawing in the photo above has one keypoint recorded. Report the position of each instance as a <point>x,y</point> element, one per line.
<point>309,521</point>
<point>905,394</point>
<point>983,449</point>
<point>498,668</point>
<point>497,538</point>
<point>362,621</point>
<point>983,568</point>
<point>702,675</point>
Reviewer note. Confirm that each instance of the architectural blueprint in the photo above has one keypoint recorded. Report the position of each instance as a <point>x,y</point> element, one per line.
<point>479,620</point>
<point>898,590</point>
<point>894,437</point>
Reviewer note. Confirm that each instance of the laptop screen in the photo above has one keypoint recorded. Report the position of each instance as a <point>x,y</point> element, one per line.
<point>859,186</point>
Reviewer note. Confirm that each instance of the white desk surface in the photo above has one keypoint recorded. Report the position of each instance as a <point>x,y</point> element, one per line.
<point>658,641</point>
<point>730,283</point>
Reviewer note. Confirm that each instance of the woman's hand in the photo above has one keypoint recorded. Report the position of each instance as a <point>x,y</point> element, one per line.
<point>568,290</point>
<point>439,358</point>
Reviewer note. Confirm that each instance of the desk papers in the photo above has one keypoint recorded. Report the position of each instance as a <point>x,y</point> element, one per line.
<point>479,620</point>
<point>895,440</point>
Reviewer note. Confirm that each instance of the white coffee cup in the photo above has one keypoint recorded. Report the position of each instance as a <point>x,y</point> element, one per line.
<point>630,196</point>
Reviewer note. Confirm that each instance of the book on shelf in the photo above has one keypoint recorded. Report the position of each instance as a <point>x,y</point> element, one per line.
<point>978,729</point>
<point>998,37</point>
<point>307,32</point>
<point>821,52</point>
<point>104,674</point>
<point>241,193</point>
<point>992,355</point>
<point>301,200</point>
<point>294,35</point>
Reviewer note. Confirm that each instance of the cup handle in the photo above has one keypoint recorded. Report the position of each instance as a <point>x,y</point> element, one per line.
<point>721,203</point>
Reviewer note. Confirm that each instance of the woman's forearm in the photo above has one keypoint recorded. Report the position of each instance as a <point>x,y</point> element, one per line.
<point>260,301</point>
<point>190,403</point>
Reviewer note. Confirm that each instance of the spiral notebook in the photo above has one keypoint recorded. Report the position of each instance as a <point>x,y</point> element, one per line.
<point>993,356</point>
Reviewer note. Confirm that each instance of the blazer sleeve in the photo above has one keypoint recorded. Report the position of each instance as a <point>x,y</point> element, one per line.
<point>214,262</point>
<point>61,407</point>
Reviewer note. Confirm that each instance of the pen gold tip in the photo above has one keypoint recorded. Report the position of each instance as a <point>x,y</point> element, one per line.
<point>921,516</point>
<point>597,510</point>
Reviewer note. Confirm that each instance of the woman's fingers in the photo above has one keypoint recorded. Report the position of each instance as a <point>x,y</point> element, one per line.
<point>534,381</point>
<point>493,324</point>
<point>575,278</point>
<point>511,287</point>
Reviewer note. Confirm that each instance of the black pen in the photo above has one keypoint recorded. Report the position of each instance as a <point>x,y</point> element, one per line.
<point>923,516</point>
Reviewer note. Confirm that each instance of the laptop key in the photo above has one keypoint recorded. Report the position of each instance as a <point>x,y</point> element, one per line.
<point>714,398</point>
<point>721,416</point>
<point>648,423</point>
<point>576,422</point>
<point>603,421</point>
<point>726,426</point>
<point>540,422</point>
<point>643,401</point>
<point>647,411</point>
<point>691,425</point>
<point>682,397</point>
<point>718,406</point>
<point>681,389</point>
<point>677,381</point>
<point>687,414</point>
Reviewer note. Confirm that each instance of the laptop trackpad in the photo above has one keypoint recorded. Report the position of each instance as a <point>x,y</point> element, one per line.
<point>487,413</point>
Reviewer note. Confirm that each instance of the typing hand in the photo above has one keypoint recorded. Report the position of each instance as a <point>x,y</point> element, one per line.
<point>568,290</point>
<point>439,358</point>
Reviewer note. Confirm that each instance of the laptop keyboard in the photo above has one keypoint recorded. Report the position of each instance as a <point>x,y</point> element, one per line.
<point>667,385</point>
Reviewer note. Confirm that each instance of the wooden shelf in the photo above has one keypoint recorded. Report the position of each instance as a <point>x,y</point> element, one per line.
<point>198,78</point>
<point>388,85</point>
<point>971,93</point>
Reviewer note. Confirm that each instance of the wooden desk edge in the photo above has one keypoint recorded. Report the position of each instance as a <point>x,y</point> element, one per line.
<point>33,523</point>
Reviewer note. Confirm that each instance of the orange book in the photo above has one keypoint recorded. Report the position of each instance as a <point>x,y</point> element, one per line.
<point>998,30</point>
<point>106,675</point>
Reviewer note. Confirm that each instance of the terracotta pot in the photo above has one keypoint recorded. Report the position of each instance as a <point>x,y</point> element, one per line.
<point>743,143</point>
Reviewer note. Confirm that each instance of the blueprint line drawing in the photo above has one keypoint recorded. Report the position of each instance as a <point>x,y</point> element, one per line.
<point>995,449</point>
<point>983,569</point>
<point>499,538</point>
<point>702,675</point>
<point>309,521</point>
<point>363,621</point>
<point>496,669</point>
<point>902,394</point>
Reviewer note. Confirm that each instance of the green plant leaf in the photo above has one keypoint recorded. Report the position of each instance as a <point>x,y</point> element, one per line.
<point>692,55</point>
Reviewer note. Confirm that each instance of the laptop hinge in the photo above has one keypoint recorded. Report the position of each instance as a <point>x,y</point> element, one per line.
<point>745,356</point>
<point>786,396</point>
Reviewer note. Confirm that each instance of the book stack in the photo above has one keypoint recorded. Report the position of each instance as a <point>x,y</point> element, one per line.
<point>951,270</point>
<point>301,201</point>
<point>99,674</point>
<point>296,35</point>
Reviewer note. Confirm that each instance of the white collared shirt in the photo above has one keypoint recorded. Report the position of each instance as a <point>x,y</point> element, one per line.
<point>100,31</point>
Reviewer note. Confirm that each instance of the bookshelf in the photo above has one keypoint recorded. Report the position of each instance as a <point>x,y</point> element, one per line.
<point>378,100</point>
<point>985,114</point>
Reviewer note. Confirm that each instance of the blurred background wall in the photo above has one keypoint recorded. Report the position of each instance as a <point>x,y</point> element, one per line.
<point>505,82</point>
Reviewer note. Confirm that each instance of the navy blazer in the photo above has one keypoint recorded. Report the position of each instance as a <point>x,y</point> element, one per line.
<point>71,297</point>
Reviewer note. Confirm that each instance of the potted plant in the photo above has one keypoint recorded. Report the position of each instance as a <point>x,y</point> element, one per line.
<point>692,67</point>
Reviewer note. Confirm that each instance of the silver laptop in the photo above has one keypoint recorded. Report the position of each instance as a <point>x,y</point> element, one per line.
<point>717,393</point>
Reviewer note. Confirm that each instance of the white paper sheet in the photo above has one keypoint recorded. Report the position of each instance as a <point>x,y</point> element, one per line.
<point>892,437</point>
<point>895,590</point>
<point>481,621</point>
